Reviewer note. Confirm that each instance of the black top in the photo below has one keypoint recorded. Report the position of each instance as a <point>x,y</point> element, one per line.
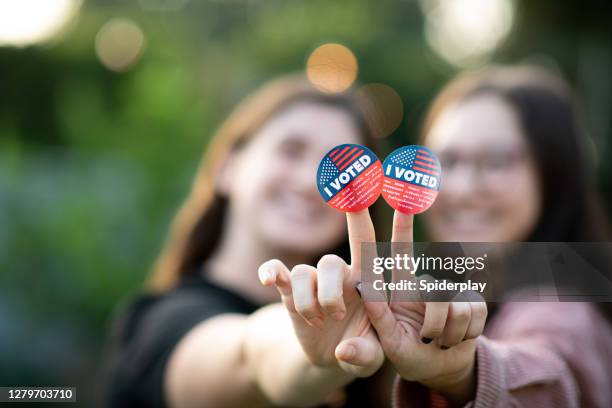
<point>147,330</point>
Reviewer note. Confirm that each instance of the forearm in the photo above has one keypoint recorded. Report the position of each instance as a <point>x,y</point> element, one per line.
<point>278,365</point>
<point>458,388</point>
<point>207,367</point>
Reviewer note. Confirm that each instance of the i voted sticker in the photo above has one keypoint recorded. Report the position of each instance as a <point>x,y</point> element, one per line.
<point>411,179</point>
<point>349,177</point>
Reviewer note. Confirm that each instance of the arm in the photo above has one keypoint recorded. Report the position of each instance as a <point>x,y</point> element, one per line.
<point>256,357</point>
<point>280,367</point>
<point>538,354</point>
<point>431,343</point>
<point>295,354</point>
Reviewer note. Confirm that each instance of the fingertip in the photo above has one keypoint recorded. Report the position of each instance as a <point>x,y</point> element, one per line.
<point>266,275</point>
<point>361,356</point>
<point>345,352</point>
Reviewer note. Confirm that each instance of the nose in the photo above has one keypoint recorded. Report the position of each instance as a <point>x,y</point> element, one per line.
<point>460,184</point>
<point>305,178</point>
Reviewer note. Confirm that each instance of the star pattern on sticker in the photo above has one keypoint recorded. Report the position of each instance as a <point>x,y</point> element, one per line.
<point>405,158</point>
<point>328,171</point>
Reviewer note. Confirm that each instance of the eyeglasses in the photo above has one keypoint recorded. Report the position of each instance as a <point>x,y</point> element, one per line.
<point>489,166</point>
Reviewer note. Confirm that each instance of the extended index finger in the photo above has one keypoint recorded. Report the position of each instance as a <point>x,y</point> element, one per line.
<point>403,225</point>
<point>360,229</point>
<point>401,244</point>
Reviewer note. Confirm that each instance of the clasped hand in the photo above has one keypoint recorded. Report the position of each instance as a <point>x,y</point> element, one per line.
<point>429,342</point>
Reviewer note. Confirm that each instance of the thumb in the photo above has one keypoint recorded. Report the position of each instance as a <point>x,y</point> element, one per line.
<point>378,311</point>
<point>381,317</point>
<point>360,356</point>
<point>385,323</point>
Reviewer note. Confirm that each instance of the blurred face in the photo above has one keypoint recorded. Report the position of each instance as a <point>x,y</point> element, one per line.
<point>272,180</point>
<point>489,189</point>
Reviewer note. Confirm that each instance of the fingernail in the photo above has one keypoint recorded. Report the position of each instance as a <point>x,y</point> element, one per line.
<point>265,274</point>
<point>358,288</point>
<point>348,352</point>
<point>338,315</point>
<point>444,347</point>
<point>426,340</point>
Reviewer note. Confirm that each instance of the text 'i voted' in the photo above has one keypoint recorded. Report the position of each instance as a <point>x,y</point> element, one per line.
<point>349,177</point>
<point>411,179</point>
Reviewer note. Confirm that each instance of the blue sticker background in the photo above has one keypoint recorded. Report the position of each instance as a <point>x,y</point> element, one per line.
<point>349,177</point>
<point>411,179</point>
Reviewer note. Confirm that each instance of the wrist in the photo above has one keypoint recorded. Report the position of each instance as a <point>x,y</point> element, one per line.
<point>458,387</point>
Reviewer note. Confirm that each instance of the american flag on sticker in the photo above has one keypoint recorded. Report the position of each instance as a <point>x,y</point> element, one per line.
<point>349,177</point>
<point>412,179</point>
<point>337,160</point>
<point>418,159</point>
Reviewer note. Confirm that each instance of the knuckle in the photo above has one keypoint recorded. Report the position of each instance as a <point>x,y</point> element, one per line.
<point>434,331</point>
<point>462,313</point>
<point>329,302</point>
<point>334,268</point>
<point>330,260</point>
<point>479,311</point>
<point>273,263</point>
<point>306,309</point>
<point>470,335</point>
<point>300,271</point>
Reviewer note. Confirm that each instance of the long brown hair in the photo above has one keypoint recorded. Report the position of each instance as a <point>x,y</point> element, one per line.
<point>197,227</point>
<point>548,115</point>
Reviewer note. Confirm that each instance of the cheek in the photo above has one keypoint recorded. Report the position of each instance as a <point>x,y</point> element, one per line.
<point>332,231</point>
<point>521,208</point>
<point>254,182</point>
<point>334,222</point>
<point>434,220</point>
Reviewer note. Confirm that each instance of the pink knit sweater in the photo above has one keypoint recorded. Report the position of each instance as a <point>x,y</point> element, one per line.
<point>535,355</point>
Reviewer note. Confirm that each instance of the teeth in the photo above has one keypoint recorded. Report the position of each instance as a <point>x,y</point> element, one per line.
<point>298,206</point>
<point>468,217</point>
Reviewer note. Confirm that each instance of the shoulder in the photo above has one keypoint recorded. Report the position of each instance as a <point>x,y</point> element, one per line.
<point>147,327</point>
<point>170,315</point>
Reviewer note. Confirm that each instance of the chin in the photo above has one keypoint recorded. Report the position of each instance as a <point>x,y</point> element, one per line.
<point>453,235</point>
<point>288,241</point>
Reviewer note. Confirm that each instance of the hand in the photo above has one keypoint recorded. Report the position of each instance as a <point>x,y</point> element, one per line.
<point>328,315</point>
<point>430,342</point>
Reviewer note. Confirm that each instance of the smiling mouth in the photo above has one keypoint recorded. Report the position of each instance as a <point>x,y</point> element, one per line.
<point>469,220</point>
<point>299,208</point>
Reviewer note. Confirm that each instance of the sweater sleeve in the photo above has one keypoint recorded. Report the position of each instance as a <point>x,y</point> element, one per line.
<point>536,354</point>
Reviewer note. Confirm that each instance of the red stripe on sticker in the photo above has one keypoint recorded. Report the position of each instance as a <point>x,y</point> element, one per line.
<point>352,159</point>
<point>420,163</point>
<point>435,173</point>
<point>346,156</point>
<point>420,156</point>
<point>331,155</point>
<point>334,159</point>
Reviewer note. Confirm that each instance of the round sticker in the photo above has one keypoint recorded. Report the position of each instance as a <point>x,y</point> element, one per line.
<point>350,177</point>
<point>411,179</point>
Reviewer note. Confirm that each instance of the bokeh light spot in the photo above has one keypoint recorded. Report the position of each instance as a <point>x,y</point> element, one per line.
<point>383,108</point>
<point>26,22</point>
<point>332,68</point>
<point>466,32</point>
<point>119,44</point>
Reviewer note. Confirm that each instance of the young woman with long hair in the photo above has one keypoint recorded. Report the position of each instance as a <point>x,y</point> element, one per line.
<point>202,334</point>
<point>515,168</point>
